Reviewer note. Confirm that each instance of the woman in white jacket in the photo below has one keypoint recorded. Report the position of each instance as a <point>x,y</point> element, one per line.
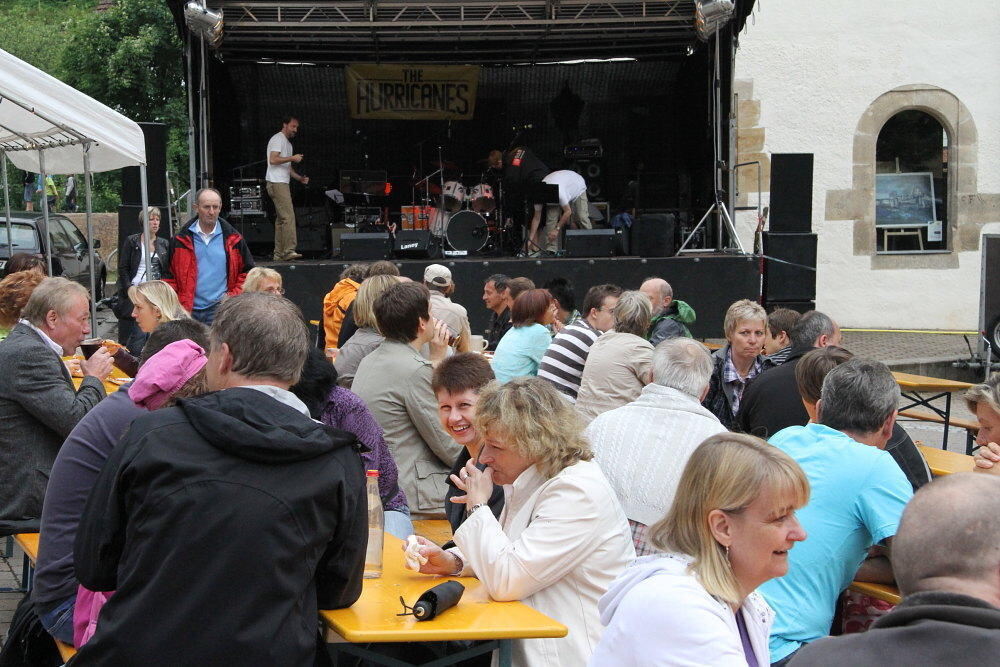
<point>728,531</point>
<point>562,537</point>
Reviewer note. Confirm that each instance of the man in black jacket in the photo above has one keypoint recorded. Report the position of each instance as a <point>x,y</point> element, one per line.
<point>947,565</point>
<point>225,522</point>
<point>772,402</point>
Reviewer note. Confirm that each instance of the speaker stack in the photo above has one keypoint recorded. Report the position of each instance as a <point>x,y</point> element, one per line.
<point>790,247</point>
<point>130,210</point>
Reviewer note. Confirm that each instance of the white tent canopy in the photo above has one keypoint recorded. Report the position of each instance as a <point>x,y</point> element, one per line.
<point>39,112</point>
<point>48,127</point>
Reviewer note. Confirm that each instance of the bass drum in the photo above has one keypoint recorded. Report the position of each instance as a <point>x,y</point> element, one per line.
<point>468,231</point>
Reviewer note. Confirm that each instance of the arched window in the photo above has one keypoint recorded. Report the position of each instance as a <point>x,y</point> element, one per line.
<point>911,184</point>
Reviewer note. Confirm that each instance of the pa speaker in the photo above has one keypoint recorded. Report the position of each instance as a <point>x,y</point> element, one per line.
<point>415,244</point>
<point>593,173</point>
<point>654,235</point>
<point>791,193</point>
<point>791,267</point>
<point>989,291</point>
<point>155,135</point>
<point>355,247</point>
<point>590,242</point>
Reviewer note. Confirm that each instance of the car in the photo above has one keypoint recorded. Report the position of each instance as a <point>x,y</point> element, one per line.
<point>69,247</point>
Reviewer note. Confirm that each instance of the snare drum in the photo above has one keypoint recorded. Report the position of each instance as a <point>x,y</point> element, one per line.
<point>482,198</point>
<point>468,231</point>
<point>454,195</point>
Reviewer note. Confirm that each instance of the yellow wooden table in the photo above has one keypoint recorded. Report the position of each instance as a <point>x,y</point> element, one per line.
<point>913,386</point>
<point>946,463</point>
<point>372,619</point>
<point>111,385</point>
<point>437,531</point>
<point>879,591</point>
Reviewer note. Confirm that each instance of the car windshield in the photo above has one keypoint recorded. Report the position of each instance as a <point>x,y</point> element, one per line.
<point>22,235</point>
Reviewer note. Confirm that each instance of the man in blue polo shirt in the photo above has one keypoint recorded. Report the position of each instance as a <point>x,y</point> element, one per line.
<point>857,496</point>
<point>208,259</point>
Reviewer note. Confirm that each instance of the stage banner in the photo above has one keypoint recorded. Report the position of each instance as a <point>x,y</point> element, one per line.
<point>412,92</point>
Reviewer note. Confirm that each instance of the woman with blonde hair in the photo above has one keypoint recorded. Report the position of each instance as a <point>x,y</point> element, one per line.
<point>728,531</point>
<point>562,537</point>
<point>139,260</point>
<point>367,337</point>
<point>620,362</point>
<point>738,362</point>
<point>263,279</point>
<point>153,303</point>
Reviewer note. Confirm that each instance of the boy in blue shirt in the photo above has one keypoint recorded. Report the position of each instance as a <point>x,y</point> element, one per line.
<point>857,496</point>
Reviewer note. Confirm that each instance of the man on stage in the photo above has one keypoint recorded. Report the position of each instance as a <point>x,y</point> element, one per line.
<point>573,209</point>
<point>279,171</point>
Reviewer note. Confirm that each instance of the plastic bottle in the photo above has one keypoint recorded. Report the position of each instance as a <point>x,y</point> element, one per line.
<point>376,528</point>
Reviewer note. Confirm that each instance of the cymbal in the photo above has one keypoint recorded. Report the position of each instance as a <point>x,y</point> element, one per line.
<point>446,165</point>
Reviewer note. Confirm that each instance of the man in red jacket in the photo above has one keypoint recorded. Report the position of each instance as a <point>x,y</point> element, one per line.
<point>207,260</point>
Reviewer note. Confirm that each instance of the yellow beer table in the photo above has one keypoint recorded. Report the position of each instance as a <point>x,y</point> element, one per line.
<point>946,463</point>
<point>29,545</point>
<point>912,386</point>
<point>878,591</point>
<point>373,619</point>
<point>110,385</point>
<point>437,531</point>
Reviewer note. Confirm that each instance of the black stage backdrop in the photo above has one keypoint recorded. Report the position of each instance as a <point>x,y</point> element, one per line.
<point>651,117</point>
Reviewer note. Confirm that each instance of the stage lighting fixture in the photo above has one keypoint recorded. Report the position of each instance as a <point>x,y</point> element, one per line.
<point>710,15</point>
<point>204,22</point>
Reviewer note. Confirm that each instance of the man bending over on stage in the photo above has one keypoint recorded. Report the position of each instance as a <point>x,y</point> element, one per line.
<point>279,171</point>
<point>573,208</point>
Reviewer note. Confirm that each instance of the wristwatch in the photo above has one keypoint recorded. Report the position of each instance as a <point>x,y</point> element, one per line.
<point>475,507</point>
<point>460,566</point>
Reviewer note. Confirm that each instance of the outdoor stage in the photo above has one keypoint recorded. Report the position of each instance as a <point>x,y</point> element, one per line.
<point>708,283</point>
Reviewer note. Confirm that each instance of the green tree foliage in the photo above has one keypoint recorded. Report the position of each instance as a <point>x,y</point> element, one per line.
<point>128,57</point>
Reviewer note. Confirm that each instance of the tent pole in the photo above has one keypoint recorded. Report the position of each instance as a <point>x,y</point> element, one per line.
<point>6,201</point>
<point>45,212</point>
<point>192,154</point>
<point>90,241</point>
<point>146,240</point>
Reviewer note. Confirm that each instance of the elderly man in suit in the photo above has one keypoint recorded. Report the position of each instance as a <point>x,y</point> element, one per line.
<point>38,404</point>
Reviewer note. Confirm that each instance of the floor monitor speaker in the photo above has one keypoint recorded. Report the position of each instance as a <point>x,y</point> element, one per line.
<point>791,193</point>
<point>590,242</point>
<point>790,274</point>
<point>357,247</point>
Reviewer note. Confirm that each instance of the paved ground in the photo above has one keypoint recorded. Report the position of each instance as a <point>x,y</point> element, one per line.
<point>895,349</point>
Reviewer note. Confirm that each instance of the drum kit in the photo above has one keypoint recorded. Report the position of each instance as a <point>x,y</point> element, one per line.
<point>466,216</point>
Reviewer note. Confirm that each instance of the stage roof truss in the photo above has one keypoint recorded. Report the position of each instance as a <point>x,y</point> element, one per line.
<point>340,31</point>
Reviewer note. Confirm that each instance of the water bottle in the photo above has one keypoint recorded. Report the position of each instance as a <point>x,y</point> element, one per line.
<point>376,528</point>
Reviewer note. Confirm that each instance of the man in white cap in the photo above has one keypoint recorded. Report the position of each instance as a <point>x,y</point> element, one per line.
<point>437,278</point>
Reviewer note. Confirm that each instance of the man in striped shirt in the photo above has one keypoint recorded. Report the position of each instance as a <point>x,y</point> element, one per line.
<point>562,364</point>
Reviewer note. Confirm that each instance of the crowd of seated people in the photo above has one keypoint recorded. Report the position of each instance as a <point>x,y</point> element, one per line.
<point>667,503</point>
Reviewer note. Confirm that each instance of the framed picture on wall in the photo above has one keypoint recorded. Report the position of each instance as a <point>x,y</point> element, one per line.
<point>904,200</point>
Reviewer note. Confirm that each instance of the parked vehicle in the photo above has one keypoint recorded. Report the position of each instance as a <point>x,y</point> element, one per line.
<point>69,247</point>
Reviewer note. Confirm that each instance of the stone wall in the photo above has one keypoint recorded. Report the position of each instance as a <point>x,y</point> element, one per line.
<point>105,229</point>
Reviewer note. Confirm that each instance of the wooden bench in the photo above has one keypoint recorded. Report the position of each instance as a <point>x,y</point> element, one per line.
<point>971,426</point>
<point>29,545</point>
<point>942,462</point>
